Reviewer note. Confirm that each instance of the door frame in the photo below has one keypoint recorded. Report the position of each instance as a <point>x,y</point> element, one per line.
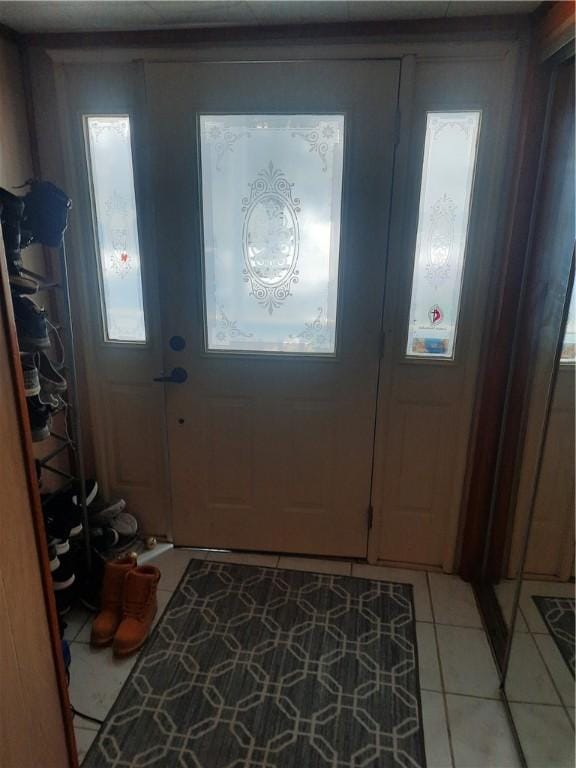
<point>480,43</point>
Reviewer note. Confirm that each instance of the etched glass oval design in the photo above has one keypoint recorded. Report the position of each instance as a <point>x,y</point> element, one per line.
<point>270,240</point>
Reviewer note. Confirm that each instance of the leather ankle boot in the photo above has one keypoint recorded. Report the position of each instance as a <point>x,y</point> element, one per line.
<point>107,621</point>
<point>140,607</point>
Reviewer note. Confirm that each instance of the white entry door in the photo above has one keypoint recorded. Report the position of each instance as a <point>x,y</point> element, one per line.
<point>272,187</point>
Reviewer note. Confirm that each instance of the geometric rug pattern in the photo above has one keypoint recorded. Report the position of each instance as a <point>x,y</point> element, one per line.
<point>558,614</point>
<point>265,668</point>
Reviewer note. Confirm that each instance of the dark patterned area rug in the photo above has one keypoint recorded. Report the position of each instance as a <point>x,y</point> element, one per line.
<point>558,614</point>
<point>262,668</point>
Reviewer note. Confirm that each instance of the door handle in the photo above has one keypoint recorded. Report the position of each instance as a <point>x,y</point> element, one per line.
<point>178,376</point>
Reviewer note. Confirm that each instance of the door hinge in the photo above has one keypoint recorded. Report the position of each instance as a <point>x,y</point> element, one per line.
<point>397,128</point>
<point>370,517</point>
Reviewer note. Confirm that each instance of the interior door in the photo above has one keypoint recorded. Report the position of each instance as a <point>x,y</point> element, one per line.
<point>273,186</point>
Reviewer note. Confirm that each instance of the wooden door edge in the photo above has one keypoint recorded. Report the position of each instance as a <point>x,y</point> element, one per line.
<point>36,510</point>
<point>483,477</point>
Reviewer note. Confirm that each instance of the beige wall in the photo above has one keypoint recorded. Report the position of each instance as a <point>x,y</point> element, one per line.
<point>16,167</point>
<point>15,159</point>
<point>15,156</point>
<point>31,724</point>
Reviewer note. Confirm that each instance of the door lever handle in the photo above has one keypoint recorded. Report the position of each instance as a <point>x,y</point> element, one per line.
<point>178,376</point>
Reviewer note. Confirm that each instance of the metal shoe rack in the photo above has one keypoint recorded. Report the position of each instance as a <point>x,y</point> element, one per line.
<point>71,441</point>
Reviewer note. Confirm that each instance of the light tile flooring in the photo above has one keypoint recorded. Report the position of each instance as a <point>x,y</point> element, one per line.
<point>465,725</point>
<point>539,687</point>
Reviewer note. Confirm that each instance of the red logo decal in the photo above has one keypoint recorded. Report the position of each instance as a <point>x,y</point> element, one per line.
<point>435,314</point>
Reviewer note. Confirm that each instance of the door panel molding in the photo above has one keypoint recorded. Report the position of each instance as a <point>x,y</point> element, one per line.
<point>230,437</point>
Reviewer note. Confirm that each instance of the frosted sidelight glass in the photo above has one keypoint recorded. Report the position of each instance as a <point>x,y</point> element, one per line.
<point>569,345</point>
<point>114,207</point>
<point>271,196</point>
<point>445,199</point>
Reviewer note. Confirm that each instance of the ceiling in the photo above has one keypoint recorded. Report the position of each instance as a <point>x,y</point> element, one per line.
<point>28,16</point>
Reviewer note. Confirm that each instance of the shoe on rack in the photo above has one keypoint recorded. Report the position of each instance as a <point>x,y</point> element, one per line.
<point>64,576</point>
<point>62,546</point>
<point>65,598</point>
<point>31,324</point>
<point>30,372</point>
<point>53,558</point>
<point>46,213</point>
<point>126,525</point>
<point>40,418</point>
<point>63,517</point>
<point>105,512</point>
<point>139,608</point>
<point>104,538</point>
<point>108,619</point>
<point>90,489</point>
<point>21,283</point>
<point>51,380</point>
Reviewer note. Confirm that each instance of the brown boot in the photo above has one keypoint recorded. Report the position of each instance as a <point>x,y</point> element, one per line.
<point>106,622</point>
<point>139,609</point>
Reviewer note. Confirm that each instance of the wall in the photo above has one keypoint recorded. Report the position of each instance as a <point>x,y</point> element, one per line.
<point>55,62</point>
<point>32,733</point>
<point>16,167</point>
<point>551,259</point>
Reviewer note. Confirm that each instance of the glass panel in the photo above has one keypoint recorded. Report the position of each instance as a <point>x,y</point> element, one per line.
<point>271,193</point>
<point>114,204</point>
<point>569,346</point>
<point>445,195</point>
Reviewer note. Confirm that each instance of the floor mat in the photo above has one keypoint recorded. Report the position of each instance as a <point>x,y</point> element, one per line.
<point>558,613</point>
<point>263,668</point>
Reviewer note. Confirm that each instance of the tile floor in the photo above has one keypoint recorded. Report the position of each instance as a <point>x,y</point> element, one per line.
<point>539,686</point>
<point>465,724</point>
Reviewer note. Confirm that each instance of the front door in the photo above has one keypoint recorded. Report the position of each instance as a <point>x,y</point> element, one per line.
<point>272,185</point>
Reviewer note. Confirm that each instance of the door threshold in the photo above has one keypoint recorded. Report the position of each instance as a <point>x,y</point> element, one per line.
<point>151,554</point>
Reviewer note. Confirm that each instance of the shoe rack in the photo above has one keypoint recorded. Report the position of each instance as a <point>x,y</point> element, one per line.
<point>68,440</point>
<point>72,440</point>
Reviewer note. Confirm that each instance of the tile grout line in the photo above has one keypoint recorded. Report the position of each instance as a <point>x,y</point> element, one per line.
<point>81,627</point>
<point>443,692</point>
<point>546,667</point>
<point>488,698</point>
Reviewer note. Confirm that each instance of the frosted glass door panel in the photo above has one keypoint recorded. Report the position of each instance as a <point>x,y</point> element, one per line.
<point>271,198</point>
<point>445,198</point>
<point>114,205</point>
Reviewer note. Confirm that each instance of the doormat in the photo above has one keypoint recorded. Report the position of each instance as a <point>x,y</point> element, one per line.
<point>558,614</point>
<point>264,668</point>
